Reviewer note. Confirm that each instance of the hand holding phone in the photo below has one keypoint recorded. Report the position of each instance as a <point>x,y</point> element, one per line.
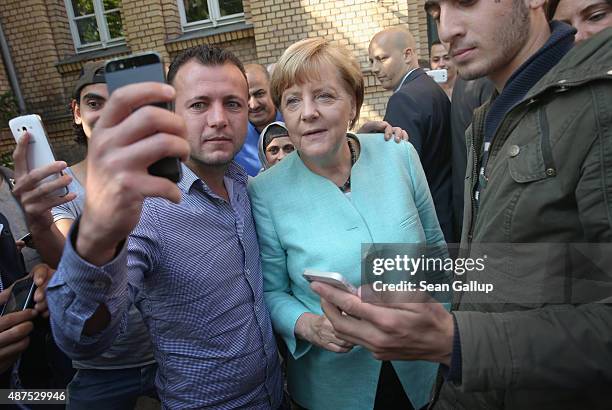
<point>14,330</point>
<point>39,152</point>
<point>27,240</point>
<point>331,278</point>
<point>130,135</point>
<point>21,296</point>
<point>35,193</point>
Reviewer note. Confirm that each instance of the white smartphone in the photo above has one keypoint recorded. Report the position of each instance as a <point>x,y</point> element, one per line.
<point>39,151</point>
<point>331,278</point>
<point>439,76</point>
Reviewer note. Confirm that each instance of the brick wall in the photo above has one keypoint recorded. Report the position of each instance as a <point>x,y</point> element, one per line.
<point>4,81</point>
<point>279,23</point>
<point>375,101</point>
<point>240,43</point>
<point>7,143</point>
<point>47,65</point>
<point>417,23</point>
<point>172,19</point>
<point>56,10</point>
<point>35,49</point>
<point>143,24</point>
<point>34,54</point>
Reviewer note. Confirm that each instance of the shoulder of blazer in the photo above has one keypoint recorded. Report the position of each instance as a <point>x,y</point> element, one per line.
<point>375,146</point>
<point>277,174</point>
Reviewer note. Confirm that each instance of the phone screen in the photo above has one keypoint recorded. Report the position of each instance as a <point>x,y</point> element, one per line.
<point>21,296</point>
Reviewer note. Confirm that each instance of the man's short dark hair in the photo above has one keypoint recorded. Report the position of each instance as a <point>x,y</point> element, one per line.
<point>434,43</point>
<point>207,55</point>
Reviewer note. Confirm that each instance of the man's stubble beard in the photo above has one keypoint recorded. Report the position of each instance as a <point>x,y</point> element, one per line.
<point>510,39</point>
<point>198,160</point>
<point>263,123</point>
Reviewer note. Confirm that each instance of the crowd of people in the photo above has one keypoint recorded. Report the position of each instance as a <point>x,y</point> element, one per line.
<point>192,293</point>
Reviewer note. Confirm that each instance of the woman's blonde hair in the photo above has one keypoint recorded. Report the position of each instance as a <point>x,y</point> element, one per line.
<point>303,60</point>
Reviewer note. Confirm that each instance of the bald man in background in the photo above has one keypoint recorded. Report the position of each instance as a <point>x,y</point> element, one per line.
<point>419,106</point>
<point>261,113</point>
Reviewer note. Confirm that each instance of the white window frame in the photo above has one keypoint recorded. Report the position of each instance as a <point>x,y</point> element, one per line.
<point>215,19</point>
<point>99,13</point>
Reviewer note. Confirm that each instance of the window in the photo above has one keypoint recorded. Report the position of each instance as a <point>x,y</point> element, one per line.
<point>95,23</point>
<point>432,31</point>
<point>196,14</point>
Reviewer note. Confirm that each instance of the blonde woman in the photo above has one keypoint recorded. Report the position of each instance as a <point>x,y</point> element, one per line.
<point>338,191</point>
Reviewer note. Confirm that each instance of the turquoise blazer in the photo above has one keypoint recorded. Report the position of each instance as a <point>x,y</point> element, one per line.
<point>305,222</point>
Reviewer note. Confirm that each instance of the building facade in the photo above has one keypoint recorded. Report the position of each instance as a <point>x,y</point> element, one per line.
<point>50,40</point>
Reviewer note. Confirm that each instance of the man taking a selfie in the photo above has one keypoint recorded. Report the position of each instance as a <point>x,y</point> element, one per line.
<point>191,264</point>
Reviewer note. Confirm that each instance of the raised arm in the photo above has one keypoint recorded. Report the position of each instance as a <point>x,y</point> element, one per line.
<point>88,294</point>
<point>37,200</point>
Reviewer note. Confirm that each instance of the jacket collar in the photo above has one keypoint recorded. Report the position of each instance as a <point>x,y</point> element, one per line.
<point>410,75</point>
<point>529,73</point>
<point>588,61</point>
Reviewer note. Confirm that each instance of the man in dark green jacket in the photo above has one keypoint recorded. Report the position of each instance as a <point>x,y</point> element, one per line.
<point>538,200</point>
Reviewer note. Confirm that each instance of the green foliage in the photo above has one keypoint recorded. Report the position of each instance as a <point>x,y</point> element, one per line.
<point>111,4</point>
<point>115,27</point>
<point>196,10</point>
<point>82,7</point>
<point>88,30</point>
<point>6,160</point>
<point>8,108</point>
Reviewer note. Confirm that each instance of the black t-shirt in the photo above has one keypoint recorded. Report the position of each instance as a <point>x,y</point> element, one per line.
<point>42,365</point>
<point>11,269</point>
<point>12,266</point>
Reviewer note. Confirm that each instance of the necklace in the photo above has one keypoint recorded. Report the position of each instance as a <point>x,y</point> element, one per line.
<point>347,185</point>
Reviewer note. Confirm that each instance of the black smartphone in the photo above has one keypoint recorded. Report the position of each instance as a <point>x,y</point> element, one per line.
<point>21,297</point>
<point>27,239</point>
<point>138,68</point>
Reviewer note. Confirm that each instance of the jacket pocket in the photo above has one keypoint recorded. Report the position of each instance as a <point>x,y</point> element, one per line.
<point>534,160</point>
<point>526,163</point>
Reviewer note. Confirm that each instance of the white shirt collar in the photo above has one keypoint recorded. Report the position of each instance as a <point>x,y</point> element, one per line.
<point>404,79</point>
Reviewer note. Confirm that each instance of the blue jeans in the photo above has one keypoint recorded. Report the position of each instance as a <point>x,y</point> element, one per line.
<point>110,389</point>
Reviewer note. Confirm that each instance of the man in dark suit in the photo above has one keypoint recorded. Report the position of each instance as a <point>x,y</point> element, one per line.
<point>419,106</point>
